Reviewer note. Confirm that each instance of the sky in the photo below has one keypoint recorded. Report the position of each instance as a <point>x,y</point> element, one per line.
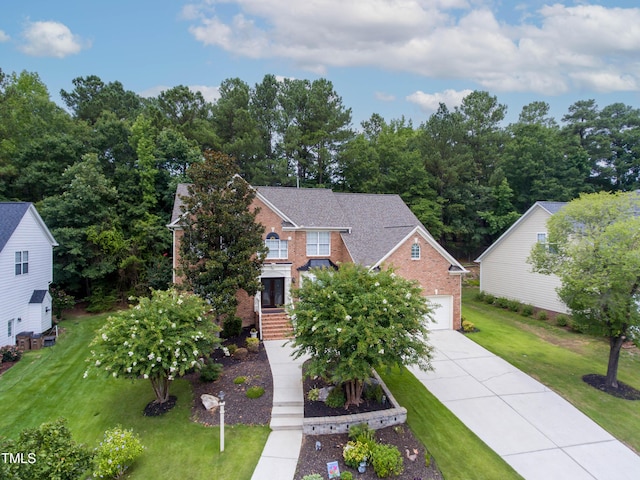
<point>397,58</point>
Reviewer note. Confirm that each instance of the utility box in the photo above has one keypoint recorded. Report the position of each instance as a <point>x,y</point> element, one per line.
<point>23,340</point>
<point>37,341</point>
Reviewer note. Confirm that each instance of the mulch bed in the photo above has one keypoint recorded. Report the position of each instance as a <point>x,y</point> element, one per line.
<point>4,366</point>
<point>313,461</point>
<point>320,409</point>
<point>154,409</point>
<point>623,391</point>
<point>238,407</point>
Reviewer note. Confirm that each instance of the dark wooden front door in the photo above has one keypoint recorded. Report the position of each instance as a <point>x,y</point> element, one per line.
<point>272,292</point>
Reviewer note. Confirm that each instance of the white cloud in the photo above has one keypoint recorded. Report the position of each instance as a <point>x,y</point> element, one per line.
<point>51,39</point>
<point>430,102</point>
<point>385,97</point>
<point>4,37</point>
<point>553,50</point>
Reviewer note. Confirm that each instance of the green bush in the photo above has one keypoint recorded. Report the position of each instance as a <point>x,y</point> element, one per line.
<point>232,327</point>
<point>116,453</point>
<point>255,392</point>
<point>346,476</point>
<point>502,302</point>
<point>54,453</point>
<point>527,310</point>
<point>514,306</point>
<point>542,315</point>
<point>562,320</point>
<point>336,397</point>
<point>373,392</point>
<point>253,345</point>
<point>313,476</point>
<point>10,353</point>
<point>356,452</point>
<point>468,327</point>
<point>240,380</point>
<point>481,296</point>
<point>575,326</point>
<point>362,433</point>
<point>313,395</point>
<point>387,461</point>
<point>232,348</point>
<point>241,353</point>
<point>101,300</point>
<point>210,372</point>
<point>489,299</point>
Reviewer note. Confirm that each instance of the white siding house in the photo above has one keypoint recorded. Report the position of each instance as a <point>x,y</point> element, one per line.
<point>26,270</point>
<point>504,271</point>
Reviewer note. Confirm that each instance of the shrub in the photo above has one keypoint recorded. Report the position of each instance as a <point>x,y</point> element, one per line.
<point>575,326</point>
<point>211,371</point>
<point>514,306</point>
<point>240,380</point>
<point>346,476</point>
<point>481,296</point>
<point>502,302</point>
<point>489,299</point>
<point>468,327</point>
<point>232,327</point>
<point>255,392</point>
<point>10,353</point>
<point>542,315</point>
<point>116,453</point>
<point>362,433</point>
<point>562,320</point>
<point>57,456</point>
<point>101,300</point>
<point>373,392</point>
<point>253,345</point>
<point>313,476</point>
<point>313,395</point>
<point>387,461</point>
<point>241,353</point>
<point>356,452</point>
<point>232,348</point>
<point>527,310</point>
<point>336,398</point>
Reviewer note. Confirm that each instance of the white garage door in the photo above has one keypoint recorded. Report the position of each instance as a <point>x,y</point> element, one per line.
<point>442,312</point>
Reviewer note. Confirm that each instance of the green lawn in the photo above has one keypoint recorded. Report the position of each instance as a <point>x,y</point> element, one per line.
<point>47,384</point>
<point>559,358</point>
<point>459,453</point>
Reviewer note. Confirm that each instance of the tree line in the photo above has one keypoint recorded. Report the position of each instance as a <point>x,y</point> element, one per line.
<point>103,171</point>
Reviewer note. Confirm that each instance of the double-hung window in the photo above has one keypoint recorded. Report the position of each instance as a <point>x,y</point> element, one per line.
<point>277,248</point>
<point>318,244</point>
<point>22,262</point>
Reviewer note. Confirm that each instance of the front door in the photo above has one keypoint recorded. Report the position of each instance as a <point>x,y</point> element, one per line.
<point>272,292</point>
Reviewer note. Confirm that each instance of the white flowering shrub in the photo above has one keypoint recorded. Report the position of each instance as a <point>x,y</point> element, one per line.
<point>116,453</point>
<point>158,339</point>
<point>351,320</point>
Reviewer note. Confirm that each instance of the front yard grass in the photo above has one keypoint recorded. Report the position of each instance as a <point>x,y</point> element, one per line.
<point>47,384</point>
<point>559,358</point>
<point>458,452</point>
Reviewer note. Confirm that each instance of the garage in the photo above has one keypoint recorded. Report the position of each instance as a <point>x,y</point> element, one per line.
<point>442,313</point>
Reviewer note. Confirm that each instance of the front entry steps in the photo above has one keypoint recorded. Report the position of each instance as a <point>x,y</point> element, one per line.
<point>276,325</point>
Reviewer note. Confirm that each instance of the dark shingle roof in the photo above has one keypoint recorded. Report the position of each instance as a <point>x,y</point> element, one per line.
<point>552,207</point>
<point>38,296</point>
<point>11,214</point>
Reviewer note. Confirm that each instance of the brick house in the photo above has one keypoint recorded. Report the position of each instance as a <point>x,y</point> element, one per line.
<point>307,228</point>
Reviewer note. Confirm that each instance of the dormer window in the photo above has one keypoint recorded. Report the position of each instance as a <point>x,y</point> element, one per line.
<point>415,251</point>
<point>277,248</point>
<point>318,244</point>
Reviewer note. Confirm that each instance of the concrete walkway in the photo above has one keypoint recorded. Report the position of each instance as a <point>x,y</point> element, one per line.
<point>280,455</point>
<point>542,436</point>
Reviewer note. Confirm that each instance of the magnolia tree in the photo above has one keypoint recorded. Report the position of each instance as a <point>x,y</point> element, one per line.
<point>594,249</point>
<point>158,339</point>
<point>352,320</point>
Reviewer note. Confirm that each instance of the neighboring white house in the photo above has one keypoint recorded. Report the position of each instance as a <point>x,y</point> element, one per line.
<point>26,270</point>
<point>504,271</point>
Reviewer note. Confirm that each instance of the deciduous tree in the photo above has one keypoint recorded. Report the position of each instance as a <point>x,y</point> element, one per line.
<point>352,320</point>
<point>594,249</point>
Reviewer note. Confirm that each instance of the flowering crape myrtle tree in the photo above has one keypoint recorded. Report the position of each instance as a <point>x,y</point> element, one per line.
<point>594,249</point>
<point>352,320</point>
<point>158,339</point>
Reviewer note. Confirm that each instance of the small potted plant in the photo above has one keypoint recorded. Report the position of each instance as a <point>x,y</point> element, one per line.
<point>254,333</point>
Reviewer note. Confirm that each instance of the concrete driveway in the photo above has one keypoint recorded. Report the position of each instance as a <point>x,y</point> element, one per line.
<point>541,435</point>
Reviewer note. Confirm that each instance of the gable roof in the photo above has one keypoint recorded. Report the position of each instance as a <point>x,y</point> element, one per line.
<point>12,213</point>
<point>372,226</point>
<point>549,207</point>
